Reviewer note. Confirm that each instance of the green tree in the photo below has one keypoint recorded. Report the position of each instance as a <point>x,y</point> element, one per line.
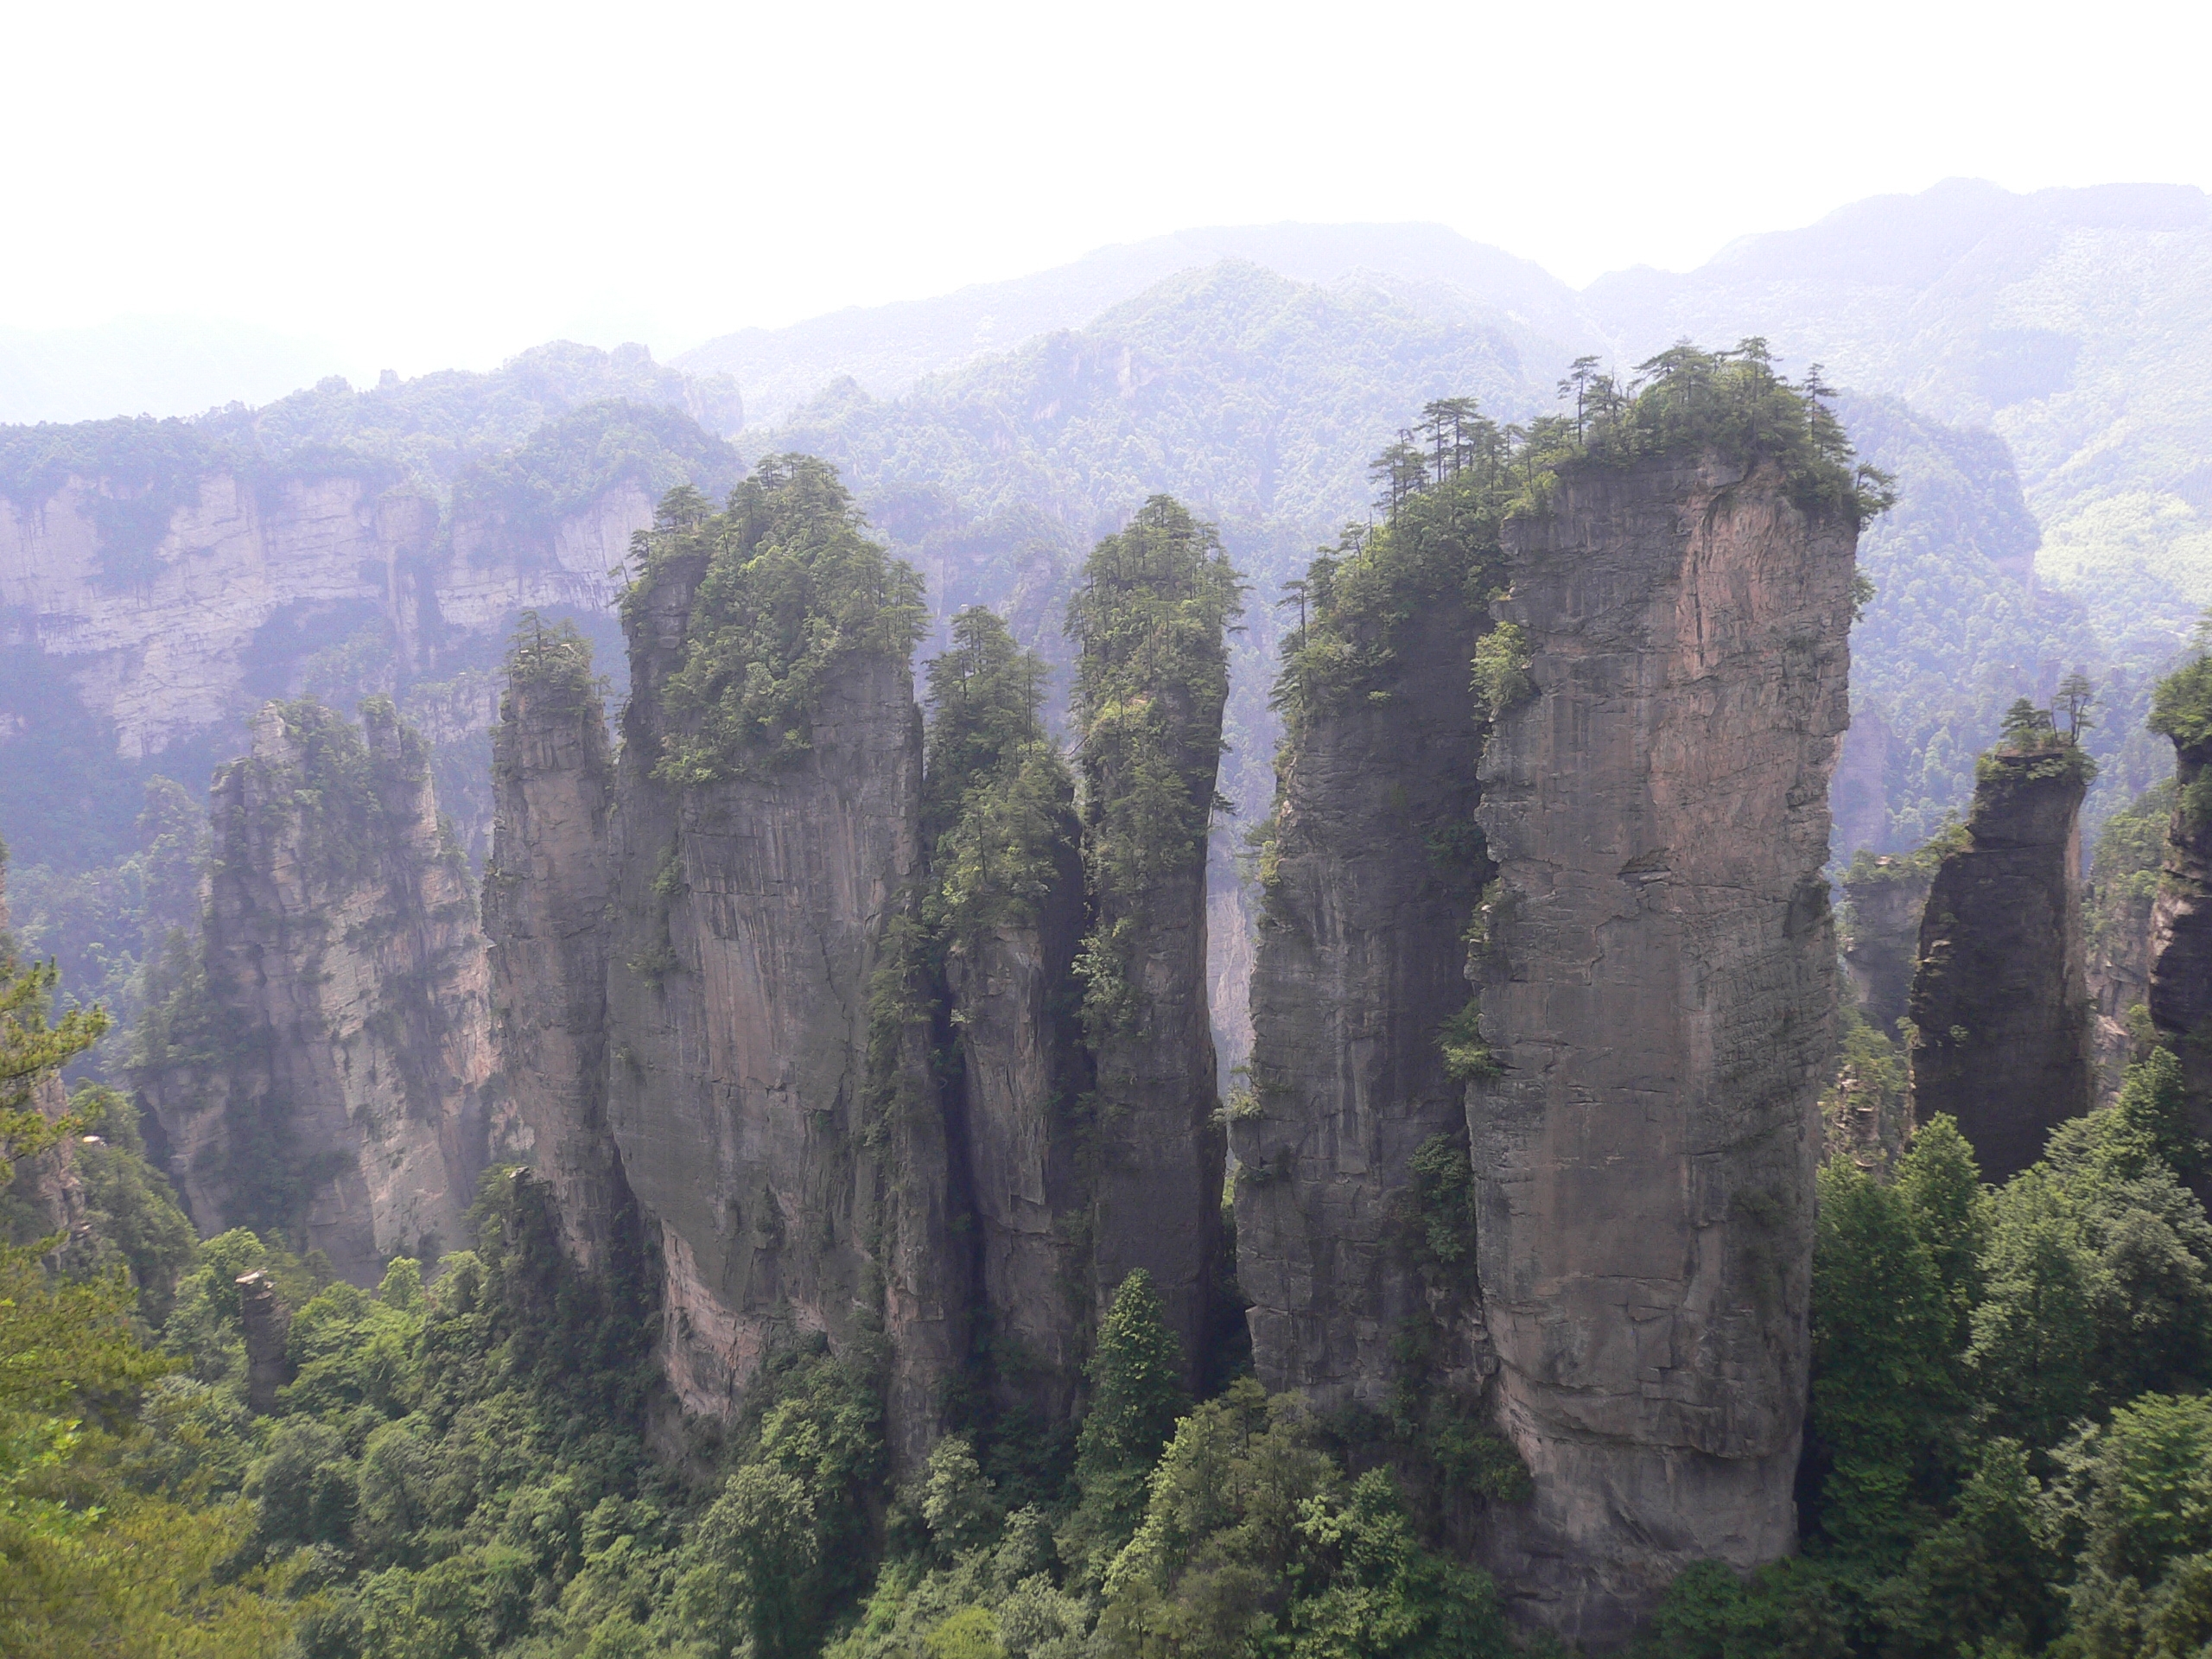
<point>1882,1388</point>
<point>1136,1394</point>
<point>1939,1183</point>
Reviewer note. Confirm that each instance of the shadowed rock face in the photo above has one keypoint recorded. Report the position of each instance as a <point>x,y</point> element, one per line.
<point>1158,1151</point>
<point>2000,1002</point>
<point>749,922</point>
<point>545,894</point>
<point>1658,993</point>
<point>1362,960</point>
<point>2180,994</point>
<point>1023,1072</point>
<point>1886,900</point>
<point>353,1096</point>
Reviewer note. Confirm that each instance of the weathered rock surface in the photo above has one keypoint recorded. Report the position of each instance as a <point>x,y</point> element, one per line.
<point>1023,1075</point>
<point>2000,1003</point>
<point>1361,961</point>
<point>2180,989</point>
<point>1658,995</point>
<point>545,915</point>
<point>170,656</point>
<point>750,920</point>
<point>347,1093</point>
<point>1885,896</point>
<point>2119,907</point>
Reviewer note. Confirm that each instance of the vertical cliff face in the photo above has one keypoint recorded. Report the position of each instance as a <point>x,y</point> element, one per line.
<point>2180,990</point>
<point>1657,997</point>
<point>2121,896</point>
<point>757,867</point>
<point>341,1085</point>
<point>1151,682</point>
<point>2000,1008</point>
<point>1370,882</point>
<point>1885,896</point>
<point>545,915</point>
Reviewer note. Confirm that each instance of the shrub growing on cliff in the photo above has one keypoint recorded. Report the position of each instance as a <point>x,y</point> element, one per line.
<point>1151,679</point>
<point>792,588</point>
<point>997,799</point>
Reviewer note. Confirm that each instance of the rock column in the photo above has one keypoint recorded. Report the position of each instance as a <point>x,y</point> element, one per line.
<point>1361,963</point>
<point>2000,1002</point>
<point>1658,998</point>
<point>545,903</point>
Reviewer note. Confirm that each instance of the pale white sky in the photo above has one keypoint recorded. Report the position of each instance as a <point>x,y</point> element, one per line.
<point>441,184</point>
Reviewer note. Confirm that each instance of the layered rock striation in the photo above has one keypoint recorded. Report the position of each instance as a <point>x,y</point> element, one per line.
<point>2001,1023</point>
<point>1657,990</point>
<point>323,1067</point>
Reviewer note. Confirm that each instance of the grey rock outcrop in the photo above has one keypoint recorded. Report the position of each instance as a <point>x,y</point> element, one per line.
<point>2180,989</point>
<point>1657,996</point>
<point>792,1192</point>
<point>1885,896</point>
<point>342,1089</point>
<point>545,915</point>
<point>1362,962</point>
<point>1023,1074</point>
<point>267,1323</point>
<point>2000,1003</point>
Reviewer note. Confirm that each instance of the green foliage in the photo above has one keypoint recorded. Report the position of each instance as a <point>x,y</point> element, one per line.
<point>2181,707</point>
<point>791,588</point>
<point>1466,1055</point>
<point>1501,666</point>
<point>1440,545</point>
<point>1882,1387</point>
<point>1151,678</point>
<point>1136,1394</point>
<point>132,1218</point>
<point>576,458</point>
<point>1685,400</point>
<point>1787,1610</point>
<point>1253,1540</point>
<point>997,799</point>
<point>2131,848</point>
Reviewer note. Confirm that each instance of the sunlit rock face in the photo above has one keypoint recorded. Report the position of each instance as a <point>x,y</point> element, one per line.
<point>1657,994</point>
<point>749,918</point>
<point>344,1091</point>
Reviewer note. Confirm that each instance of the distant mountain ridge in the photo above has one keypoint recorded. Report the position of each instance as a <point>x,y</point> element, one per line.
<point>887,348</point>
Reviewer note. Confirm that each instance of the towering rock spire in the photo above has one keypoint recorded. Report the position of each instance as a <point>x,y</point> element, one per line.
<point>333,1077</point>
<point>774,1116</point>
<point>545,897</point>
<point>1371,870</point>
<point>1657,989</point>
<point>2001,1020</point>
<point>1151,681</point>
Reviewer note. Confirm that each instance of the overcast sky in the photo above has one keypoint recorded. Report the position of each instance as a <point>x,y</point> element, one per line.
<point>429,185</point>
